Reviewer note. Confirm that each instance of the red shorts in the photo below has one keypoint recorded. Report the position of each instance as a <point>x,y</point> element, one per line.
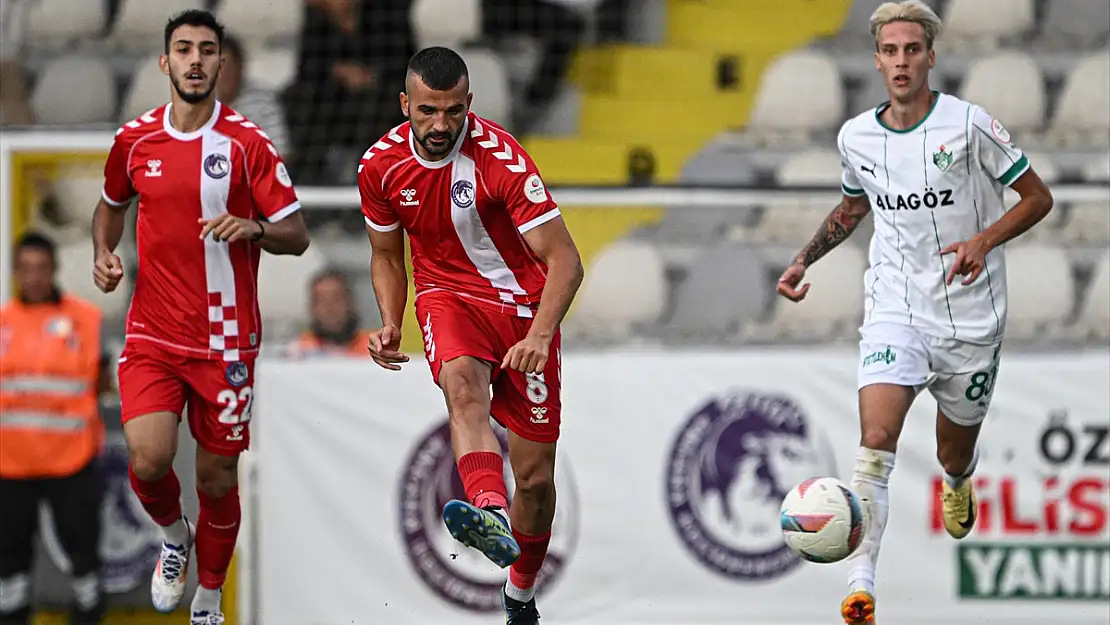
<point>219,394</point>
<point>528,405</point>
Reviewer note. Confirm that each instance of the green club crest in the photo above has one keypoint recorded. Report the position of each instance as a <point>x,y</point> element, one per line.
<point>942,158</point>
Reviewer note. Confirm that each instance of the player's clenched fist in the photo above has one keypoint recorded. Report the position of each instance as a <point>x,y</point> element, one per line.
<point>527,356</point>
<point>228,228</point>
<point>385,346</point>
<point>107,271</point>
<point>788,283</point>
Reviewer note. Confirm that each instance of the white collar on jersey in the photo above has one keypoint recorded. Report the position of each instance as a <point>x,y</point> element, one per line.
<point>189,136</point>
<point>450,157</point>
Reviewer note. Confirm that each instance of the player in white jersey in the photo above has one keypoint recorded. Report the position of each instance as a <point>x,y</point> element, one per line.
<point>932,169</point>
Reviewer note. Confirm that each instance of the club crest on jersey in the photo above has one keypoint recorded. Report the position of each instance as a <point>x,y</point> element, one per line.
<point>462,193</point>
<point>942,158</point>
<point>236,373</point>
<point>216,166</point>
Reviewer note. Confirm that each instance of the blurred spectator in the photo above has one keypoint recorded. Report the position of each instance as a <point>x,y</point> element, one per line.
<point>558,28</point>
<point>335,326</point>
<point>15,106</point>
<point>352,66</point>
<point>256,103</point>
<point>52,371</point>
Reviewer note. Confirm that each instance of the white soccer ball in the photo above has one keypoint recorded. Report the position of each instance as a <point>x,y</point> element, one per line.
<point>823,520</point>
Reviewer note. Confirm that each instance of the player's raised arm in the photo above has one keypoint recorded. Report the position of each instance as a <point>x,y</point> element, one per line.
<point>999,157</point>
<point>388,274</point>
<point>110,214</point>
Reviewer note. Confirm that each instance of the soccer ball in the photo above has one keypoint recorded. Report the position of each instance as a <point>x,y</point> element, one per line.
<point>823,520</point>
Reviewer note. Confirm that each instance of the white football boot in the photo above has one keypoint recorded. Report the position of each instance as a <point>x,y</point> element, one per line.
<point>167,585</point>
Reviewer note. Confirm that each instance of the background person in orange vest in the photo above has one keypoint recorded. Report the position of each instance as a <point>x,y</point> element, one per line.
<point>51,374</point>
<point>335,327</point>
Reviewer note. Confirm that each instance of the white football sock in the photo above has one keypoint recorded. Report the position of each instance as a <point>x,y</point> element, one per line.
<point>15,592</point>
<point>206,600</point>
<point>523,595</point>
<point>871,483</point>
<point>86,590</point>
<point>956,481</point>
<point>177,533</point>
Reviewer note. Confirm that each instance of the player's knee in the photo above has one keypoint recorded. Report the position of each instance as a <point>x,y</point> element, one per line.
<point>879,437</point>
<point>467,397</point>
<point>150,464</point>
<point>217,475</point>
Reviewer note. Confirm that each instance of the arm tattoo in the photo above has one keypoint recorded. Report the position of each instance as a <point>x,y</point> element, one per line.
<point>838,226</point>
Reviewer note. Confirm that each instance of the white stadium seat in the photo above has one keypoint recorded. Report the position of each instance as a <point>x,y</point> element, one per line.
<point>1040,290</point>
<point>834,305</point>
<point>75,263</point>
<point>801,92</point>
<point>52,23</point>
<point>283,289</point>
<point>1097,169</point>
<point>810,168</point>
<point>257,22</point>
<point>983,23</point>
<point>1083,110</point>
<point>149,89</point>
<point>1088,223</point>
<point>446,22</point>
<point>789,222</point>
<point>77,188</point>
<point>1094,316</point>
<point>53,100</point>
<point>489,82</point>
<point>139,24</point>
<point>625,285</point>
<point>273,68</point>
<point>1011,87</point>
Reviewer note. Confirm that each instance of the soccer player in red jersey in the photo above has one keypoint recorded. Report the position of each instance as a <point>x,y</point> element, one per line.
<point>213,193</point>
<point>495,271</point>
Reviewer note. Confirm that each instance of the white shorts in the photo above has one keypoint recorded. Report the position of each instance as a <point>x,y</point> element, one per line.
<point>959,375</point>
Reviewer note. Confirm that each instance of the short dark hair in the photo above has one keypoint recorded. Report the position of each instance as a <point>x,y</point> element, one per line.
<point>32,240</point>
<point>438,67</point>
<point>232,46</point>
<point>332,273</point>
<point>194,17</point>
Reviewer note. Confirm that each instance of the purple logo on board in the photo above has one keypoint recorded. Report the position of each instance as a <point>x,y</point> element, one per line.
<point>731,465</point>
<point>462,576</point>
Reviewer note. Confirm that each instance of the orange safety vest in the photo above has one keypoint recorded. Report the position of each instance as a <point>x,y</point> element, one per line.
<point>50,354</point>
<point>308,344</point>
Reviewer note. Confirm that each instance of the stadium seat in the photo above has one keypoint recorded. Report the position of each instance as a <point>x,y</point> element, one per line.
<point>489,82</point>
<point>1083,111</point>
<point>625,286</point>
<point>833,307</point>
<point>726,287</point>
<point>1087,223</point>
<point>77,188</point>
<point>1076,25</point>
<point>985,23</point>
<point>277,19</point>
<point>446,22</point>
<point>53,100</point>
<point>283,290</point>
<point>720,164</point>
<point>139,24</point>
<point>1044,164</point>
<point>810,168</point>
<point>273,68</point>
<point>75,261</point>
<point>1011,87</point>
<point>702,224</point>
<point>1093,321</point>
<point>1097,169</point>
<point>55,23</point>
<point>148,89</point>
<point>781,112</point>
<point>1040,290</point>
<point>790,222</point>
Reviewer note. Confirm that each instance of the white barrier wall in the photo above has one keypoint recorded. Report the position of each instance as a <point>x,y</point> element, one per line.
<point>672,469</point>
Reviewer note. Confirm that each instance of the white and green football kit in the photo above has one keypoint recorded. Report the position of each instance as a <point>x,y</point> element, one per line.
<point>932,185</point>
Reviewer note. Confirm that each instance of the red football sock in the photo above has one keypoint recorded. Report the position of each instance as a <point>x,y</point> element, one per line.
<point>161,498</point>
<point>217,529</point>
<point>533,549</point>
<point>483,477</point>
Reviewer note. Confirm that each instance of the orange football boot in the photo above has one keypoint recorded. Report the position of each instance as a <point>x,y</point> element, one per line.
<point>858,608</point>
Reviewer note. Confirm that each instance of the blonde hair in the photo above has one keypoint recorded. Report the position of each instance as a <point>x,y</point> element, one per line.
<point>913,11</point>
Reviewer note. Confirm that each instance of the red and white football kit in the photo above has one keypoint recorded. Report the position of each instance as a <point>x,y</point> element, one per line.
<point>194,329</point>
<point>478,284</point>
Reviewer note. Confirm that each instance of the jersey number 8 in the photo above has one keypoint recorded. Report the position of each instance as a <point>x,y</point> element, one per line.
<point>237,406</point>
